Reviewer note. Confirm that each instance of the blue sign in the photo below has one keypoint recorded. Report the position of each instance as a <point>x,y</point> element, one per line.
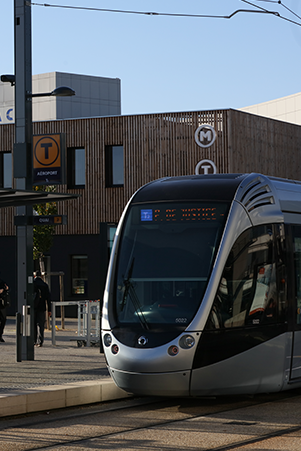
<point>146,215</point>
<point>6,116</point>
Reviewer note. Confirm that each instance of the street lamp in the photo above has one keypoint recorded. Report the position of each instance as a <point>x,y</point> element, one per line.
<point>8,79</point>
<point>60,91</point>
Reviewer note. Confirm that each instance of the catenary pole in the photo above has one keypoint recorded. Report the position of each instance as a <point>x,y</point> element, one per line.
<point>22,159</point>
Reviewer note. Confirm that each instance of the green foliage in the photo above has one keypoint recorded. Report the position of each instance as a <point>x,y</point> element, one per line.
<point>43,235</point>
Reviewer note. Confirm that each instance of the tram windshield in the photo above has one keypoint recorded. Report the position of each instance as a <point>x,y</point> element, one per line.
<point>165,259</point>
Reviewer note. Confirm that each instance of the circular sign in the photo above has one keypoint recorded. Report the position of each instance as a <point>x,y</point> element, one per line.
<point>207,166</point>
<point>46,151</point>
<point>205,135</point>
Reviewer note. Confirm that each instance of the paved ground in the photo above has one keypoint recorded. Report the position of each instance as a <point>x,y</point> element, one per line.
<point>53,365</point>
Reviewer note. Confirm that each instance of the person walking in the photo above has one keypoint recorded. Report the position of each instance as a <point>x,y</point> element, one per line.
<point>4,302</point>
<point>41,299</point>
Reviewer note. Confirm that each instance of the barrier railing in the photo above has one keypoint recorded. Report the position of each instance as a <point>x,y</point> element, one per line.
<point>88,321</point>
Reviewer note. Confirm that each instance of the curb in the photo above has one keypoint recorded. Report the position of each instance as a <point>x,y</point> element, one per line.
<point>59,396</point>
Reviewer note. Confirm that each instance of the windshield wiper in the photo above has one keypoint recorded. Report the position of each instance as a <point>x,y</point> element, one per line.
<point>130,290</point>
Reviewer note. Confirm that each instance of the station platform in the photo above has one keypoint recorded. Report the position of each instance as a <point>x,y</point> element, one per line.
<point>63,375</point>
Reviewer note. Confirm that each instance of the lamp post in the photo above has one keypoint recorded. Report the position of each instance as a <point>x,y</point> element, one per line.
<point>22,159</point>
<point>22,165</point>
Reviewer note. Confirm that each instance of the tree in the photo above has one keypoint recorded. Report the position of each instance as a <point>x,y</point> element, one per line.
<point>43,235</point>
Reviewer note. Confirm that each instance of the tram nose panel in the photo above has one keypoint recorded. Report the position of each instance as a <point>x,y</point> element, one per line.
<point>161,384</point>
<point>173,356</point>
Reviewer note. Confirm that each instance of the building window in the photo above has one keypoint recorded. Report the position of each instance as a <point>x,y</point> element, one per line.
<point>76,171</point>
<point>79,274</point>
<point>6,170</point>
<point>114,166</point>
<point>111,235</point>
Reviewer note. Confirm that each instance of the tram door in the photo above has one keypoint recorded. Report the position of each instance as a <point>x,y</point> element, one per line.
<point>296,349</point>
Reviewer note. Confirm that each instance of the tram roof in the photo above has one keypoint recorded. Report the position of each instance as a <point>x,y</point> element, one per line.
<point>211,187</point>
<point>16,198</point>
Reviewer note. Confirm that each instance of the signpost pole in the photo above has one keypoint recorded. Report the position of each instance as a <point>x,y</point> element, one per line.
<point>22,156</point>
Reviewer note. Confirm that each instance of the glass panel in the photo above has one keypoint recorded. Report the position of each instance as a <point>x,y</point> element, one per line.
<point>111,235</point>
<point>117,165</point>
<point>296,349</point>
<point>297,260</point>
<point>80,167</point>
<point>247,294</point>
<point>79,271</point>
<point>166,255</point>
<point>7,170</point>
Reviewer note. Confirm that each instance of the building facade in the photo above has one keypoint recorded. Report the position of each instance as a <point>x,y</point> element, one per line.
<point>95,96</point>
<point>286,109</point>
<point>109,158</point>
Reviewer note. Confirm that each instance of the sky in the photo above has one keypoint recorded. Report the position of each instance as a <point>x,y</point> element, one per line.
<point>168,63</point>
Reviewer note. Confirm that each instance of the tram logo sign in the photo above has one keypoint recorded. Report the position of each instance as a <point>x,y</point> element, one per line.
<point>205,135</point>
<point>205,167</point>
<point>48,159</point>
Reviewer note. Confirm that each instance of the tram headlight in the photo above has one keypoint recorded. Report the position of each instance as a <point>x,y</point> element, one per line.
<point>187,341</point>
<point>107,340</point>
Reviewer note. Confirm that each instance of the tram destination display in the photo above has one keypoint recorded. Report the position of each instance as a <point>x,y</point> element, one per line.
<point>179,213</point>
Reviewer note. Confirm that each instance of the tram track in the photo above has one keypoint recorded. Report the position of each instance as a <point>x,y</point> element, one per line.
<point>234,446</point>
<point>261,439</point>
<point>149,423</point>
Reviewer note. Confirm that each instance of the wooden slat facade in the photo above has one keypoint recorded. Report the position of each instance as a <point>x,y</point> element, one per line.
<point>159,145</point>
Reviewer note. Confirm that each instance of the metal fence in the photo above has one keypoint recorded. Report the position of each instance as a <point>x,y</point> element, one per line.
<point>88,322</point>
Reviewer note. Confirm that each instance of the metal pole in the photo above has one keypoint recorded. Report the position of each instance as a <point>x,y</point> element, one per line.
<point>22,157</point>
<point>88,323</point>
<point>19,337</point>
<point>62,299</point>
<point>53,322</point>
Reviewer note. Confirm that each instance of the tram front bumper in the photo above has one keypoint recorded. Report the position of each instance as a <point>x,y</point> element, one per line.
<point>153,384</point>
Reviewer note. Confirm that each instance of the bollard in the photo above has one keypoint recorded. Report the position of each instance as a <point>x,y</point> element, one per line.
<point>26,321</point>
<point>19,337</point>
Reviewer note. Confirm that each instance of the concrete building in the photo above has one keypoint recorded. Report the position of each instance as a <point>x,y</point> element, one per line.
<point>95,97</point>
<point>286,109</point>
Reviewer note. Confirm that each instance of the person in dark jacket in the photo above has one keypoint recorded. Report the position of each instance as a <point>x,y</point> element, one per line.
<point>3,288</point>
<point>41,299</point>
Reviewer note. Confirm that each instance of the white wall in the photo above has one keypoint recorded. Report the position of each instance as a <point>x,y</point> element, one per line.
<point>287,109</point>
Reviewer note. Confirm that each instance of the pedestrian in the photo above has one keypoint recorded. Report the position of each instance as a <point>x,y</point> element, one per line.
<point>41,299</point>
<point>4,302</point>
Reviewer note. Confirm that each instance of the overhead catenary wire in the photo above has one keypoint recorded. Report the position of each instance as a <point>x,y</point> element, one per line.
<point>259,10</point>
<point>153,13</point>
<point>281,3</point>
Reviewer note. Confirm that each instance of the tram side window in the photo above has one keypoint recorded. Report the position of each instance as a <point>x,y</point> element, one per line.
<point>297,264</point>
<point>247,294</point>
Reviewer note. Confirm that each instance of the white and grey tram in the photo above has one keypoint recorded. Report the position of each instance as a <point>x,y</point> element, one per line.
<point>203,293</point>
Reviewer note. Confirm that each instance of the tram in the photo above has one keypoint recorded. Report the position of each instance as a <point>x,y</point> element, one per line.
<point>203,291</point>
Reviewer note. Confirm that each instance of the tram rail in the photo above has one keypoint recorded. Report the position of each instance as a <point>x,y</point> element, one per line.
<point>219,424</point>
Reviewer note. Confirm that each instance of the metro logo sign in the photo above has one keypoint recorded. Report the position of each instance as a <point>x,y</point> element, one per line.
<point>48,159</point>
<point>205,135</point>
